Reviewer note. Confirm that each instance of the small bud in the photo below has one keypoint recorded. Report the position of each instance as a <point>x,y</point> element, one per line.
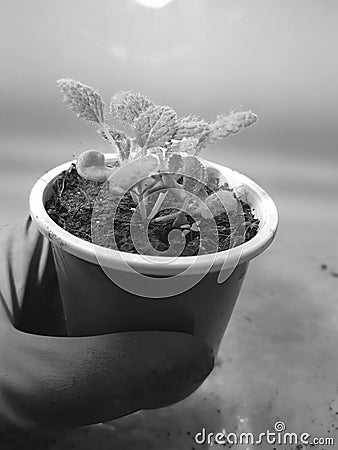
<point>91,166</point>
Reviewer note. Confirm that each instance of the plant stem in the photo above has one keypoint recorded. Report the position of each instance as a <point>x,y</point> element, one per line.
<point>144,150</point>
<point>62,187</point>
<point>112,142</point>
<point>185,202</point>
<point>146,189</point>
<point>177,189</point>
<point>157,205</point>
<point>160,157</point>
<point>157,186</point>
<point>134,196</point>
<point>139,200</point>
<point>142,206</point>
<point>168,217</point>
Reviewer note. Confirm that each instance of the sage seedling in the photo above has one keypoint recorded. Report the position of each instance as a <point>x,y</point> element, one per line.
<point>161,155</point>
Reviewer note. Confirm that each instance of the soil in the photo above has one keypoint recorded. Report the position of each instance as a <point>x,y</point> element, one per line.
<point>89,211</point>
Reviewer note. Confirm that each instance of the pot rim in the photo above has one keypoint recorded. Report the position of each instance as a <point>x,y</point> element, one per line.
<point>159,265</point>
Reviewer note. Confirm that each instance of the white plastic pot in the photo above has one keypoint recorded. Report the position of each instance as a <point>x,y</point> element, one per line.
<point>99,285</point>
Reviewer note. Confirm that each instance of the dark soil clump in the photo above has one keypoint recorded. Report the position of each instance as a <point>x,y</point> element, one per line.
<point>89,211</point>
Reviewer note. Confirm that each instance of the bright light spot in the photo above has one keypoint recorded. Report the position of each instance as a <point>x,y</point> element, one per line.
<point>156,4</point>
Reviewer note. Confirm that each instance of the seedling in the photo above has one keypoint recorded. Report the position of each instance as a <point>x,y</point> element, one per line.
<point>160,156</point>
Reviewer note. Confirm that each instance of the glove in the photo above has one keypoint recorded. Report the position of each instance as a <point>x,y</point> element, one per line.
<point>49,382</point>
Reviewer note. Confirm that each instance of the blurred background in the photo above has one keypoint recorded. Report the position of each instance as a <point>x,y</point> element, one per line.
<point>278,58</point>
<point>275,57</point>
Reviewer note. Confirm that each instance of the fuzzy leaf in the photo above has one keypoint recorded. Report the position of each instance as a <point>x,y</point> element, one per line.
<point>82,99</point>
<point>155,126</point>
<point>193,171</point>
<point>186,145</point>
<point>190,126</point>
<point>121,140</point>
<point>194,168</point>
<point>175,163</point>
<point>135,149</point>
<point>242,192</point>
<point>195,174</point>
<point>226,124</point>
<point>218,203</point>
<point>127,106</point>
<point>131,173</point>
<point>232,123</point>
<point>213,177</point>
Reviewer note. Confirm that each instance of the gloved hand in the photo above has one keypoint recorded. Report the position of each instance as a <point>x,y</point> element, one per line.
<point>51,382</point>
